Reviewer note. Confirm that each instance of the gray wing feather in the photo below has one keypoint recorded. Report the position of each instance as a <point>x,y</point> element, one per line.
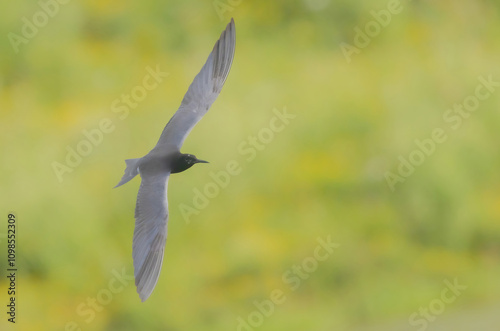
<point>150,233</point>
<point>202,92</point>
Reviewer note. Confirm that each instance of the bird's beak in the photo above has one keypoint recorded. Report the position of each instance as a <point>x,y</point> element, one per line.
<point>201,161</point>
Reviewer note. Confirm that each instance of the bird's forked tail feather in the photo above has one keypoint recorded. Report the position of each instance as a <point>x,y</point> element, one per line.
<point>130,172</point>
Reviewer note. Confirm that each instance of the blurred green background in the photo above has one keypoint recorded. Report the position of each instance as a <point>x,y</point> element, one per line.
<point>322,176</point>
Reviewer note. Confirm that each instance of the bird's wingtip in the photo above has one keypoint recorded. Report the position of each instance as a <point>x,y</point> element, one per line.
<point>143,294</point>
<point>230,25</point>
<point>143,297</point>
<point>120,183</point>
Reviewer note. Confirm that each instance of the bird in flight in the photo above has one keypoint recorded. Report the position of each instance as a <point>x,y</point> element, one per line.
<point>151,210</point>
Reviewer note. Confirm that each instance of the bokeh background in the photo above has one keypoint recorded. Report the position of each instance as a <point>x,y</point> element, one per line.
<point>322,176</point>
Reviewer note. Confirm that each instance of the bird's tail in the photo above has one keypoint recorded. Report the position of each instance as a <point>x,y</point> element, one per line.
<point>131,171</point>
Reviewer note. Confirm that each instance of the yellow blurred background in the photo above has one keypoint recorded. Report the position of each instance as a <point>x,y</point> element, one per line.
<point>412,215</point>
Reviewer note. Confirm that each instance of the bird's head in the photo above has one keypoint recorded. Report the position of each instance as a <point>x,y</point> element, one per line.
<point>184,162</point>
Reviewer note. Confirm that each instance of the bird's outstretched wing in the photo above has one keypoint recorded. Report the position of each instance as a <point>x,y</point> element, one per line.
<point>203,91</point>
<point>150,233</point>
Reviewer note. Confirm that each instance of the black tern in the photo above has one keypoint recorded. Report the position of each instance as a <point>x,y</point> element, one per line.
<point>151,210</point>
